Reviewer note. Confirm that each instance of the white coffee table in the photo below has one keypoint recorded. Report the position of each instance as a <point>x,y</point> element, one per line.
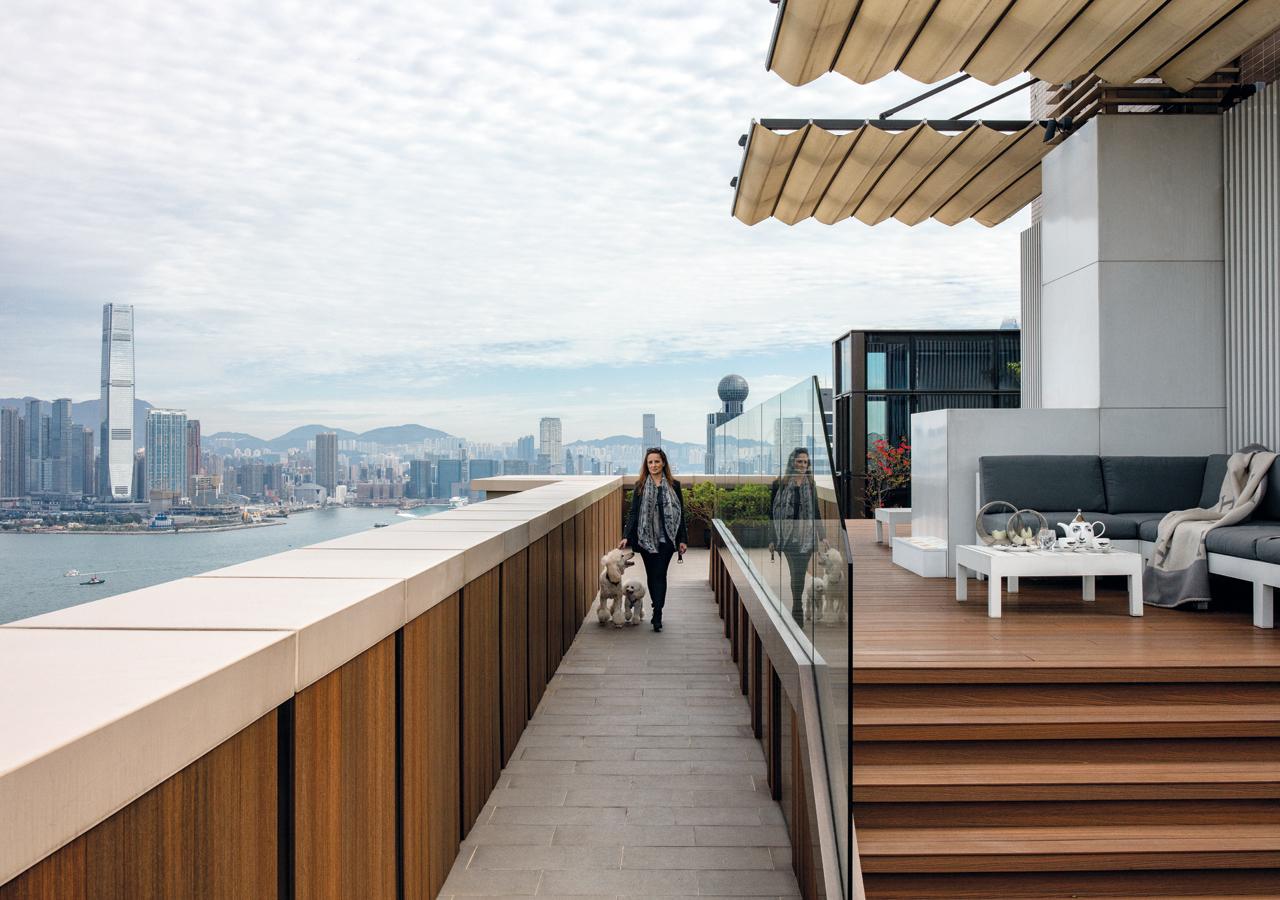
<point>891,516</point>
<point>999,565</point>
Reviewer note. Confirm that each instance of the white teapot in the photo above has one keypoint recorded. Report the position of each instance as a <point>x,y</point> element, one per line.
<point>1084,533</point>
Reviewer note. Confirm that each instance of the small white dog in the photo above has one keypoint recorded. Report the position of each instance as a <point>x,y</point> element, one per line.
<point>826,597</point>
<point>610,597</point>
<point>633,590</point>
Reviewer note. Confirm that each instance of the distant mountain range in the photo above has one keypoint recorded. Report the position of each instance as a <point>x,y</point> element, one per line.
<point>298,437</point>
<point>627,440</point>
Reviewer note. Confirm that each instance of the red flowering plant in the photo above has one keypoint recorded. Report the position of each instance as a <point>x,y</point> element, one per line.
<point>888,468</point>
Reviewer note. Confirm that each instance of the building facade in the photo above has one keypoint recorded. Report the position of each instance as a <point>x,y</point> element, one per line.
<point>649,428</point>
<point>38,480</point>
<point>419,486</point>
<point>882,377</point>
<point>193,448</point>
<point>60,447</point>
<point>13,454</point>
<point>83,462</point>
<point>550,444</point>
<point>166,453</point>
<point>115,437</point>
<point>327,461</point>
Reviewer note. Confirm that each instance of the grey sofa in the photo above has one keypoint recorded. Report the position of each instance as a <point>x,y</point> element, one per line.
<point>1131,494</point>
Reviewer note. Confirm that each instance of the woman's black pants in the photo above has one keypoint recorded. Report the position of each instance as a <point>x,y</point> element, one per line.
<point>655,570</point>
<point>798,566</point>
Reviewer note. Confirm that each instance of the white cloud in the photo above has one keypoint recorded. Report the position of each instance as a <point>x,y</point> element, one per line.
<point>300,195</point>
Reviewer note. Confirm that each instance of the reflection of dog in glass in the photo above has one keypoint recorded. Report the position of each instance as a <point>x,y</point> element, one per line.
<point>826,596</point>
<point>612,600</point>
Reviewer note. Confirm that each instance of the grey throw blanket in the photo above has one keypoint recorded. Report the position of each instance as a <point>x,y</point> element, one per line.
<point>659,516</point>
<point>1178,571</point>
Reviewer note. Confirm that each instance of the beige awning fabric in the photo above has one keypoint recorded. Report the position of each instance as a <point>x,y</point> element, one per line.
<point>1183,41</point>
<point>874,175</point>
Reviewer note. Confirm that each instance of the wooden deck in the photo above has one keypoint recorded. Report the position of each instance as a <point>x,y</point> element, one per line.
<point>1064,750</point>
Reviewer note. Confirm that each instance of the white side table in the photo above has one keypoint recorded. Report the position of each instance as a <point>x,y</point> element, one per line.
<point>998,565</point>
<point>892,516</point>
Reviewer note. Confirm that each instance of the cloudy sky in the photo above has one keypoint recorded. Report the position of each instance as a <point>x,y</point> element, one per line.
<point>466,215</point>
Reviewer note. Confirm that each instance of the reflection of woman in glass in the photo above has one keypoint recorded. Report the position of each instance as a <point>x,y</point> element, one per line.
<point>656,526</point>
<point>797,529</point>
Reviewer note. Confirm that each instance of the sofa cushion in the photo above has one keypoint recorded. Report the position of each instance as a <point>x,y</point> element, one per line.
<point>1269,507</point>
<point>1268,550</point>
<point>1136,483</point>
<point>1149,529</point>
<point>1241,540</point>
<point>1128,527</point>
<point>1044,482</point>
<point>1215,471</point>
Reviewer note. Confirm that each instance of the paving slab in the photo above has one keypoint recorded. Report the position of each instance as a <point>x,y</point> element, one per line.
<point>638,775</point>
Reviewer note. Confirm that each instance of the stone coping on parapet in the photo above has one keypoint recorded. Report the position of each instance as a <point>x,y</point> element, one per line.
<point>106,700</point>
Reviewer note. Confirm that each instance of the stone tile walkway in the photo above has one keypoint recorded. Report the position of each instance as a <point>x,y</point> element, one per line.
<point>638,775</point>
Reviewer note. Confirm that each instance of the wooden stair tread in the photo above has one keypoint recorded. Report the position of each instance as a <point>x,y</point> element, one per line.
<point>1003,772</point>
<point>1071,839</point>
<point>942,715</point>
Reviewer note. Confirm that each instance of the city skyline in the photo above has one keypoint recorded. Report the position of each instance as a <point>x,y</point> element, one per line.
<point>254,246</point>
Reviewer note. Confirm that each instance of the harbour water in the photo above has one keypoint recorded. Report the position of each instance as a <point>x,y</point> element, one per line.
<point>32,566</point>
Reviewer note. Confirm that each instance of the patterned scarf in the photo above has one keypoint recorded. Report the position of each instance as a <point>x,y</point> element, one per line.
<point>659,513</point>
<point>793,516</point>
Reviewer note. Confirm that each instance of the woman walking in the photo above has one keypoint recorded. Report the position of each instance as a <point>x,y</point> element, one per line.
<point>655,525</point>
<point>797,529</point>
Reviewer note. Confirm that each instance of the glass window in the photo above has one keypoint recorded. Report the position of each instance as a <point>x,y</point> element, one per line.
<point>888,418</point>
<point>845,365</point>
<point>1008,362</point>
<point>953,362</point>
<point>888,367</point>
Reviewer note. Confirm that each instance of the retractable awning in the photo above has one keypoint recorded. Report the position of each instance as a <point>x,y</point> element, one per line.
<point>1183,41</point>
<point>877,170</point>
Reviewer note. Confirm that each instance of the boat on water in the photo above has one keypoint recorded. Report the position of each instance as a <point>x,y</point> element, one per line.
<point>70,573</point>
<point>458,502</point>
<point>380,524</point>
<point>93,579</point>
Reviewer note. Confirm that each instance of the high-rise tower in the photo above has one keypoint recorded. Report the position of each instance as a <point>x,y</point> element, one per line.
<point>549,443</point>
<point>13,454</point>
<point>115,438</point>
<point>327,460</point>
<point>652,436</point>
<point>166,452</point>
<point>60,449</point>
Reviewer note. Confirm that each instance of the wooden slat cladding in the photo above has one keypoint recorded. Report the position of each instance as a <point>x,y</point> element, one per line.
<point>555,597</point>
<point>569,586</point>
<point>514,616</point>
<point>345,780</point>
<point>538,627</point>
<point>207,831</point>
<point>431,781</point>
<point>481,694</point>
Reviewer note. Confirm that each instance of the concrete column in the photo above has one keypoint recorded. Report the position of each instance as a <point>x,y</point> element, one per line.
<point>1132,282</point>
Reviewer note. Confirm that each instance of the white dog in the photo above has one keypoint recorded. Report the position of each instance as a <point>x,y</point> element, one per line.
<point>826,597</point>
<point>633,590</point>
<point>612,601</point>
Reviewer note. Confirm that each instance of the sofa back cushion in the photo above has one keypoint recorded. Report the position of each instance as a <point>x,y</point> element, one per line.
<point>1152,483</point>
<point>1269,507</point>
<point>1215,470</point>
<point>1044,482</point>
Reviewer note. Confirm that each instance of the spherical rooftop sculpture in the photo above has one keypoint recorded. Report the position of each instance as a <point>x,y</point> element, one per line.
<point>733,388</point>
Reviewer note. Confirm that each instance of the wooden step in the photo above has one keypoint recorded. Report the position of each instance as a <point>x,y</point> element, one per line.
<point>1066,813</point>
<point>1075,848</point>
<point>982,723</point>
<point>1221,884</point>
<point>1000,780</point>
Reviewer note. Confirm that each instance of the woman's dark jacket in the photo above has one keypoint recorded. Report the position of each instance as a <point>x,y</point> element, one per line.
<point>777,485</point>
<point>633,515</point>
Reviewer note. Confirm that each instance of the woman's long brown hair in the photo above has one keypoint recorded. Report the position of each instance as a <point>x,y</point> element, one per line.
<point>644,468</point>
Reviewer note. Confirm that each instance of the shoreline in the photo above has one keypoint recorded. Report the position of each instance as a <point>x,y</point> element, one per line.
<point>186,529</point>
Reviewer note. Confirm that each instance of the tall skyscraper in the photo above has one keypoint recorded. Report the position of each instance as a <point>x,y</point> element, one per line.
<point>115,438</point>
<point>38,480</point>
<point>652,436</point>
<point>449,480</point>
<point>327,460</point>
<point>733,392</point>
<point>83,462</point>
<point>166,452</point>
<point>60,447</point>
<point>549,443</point>
<point>193,447</point>
<point>419,486</point>
<point>525,449</point>
<point>13,454</point>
